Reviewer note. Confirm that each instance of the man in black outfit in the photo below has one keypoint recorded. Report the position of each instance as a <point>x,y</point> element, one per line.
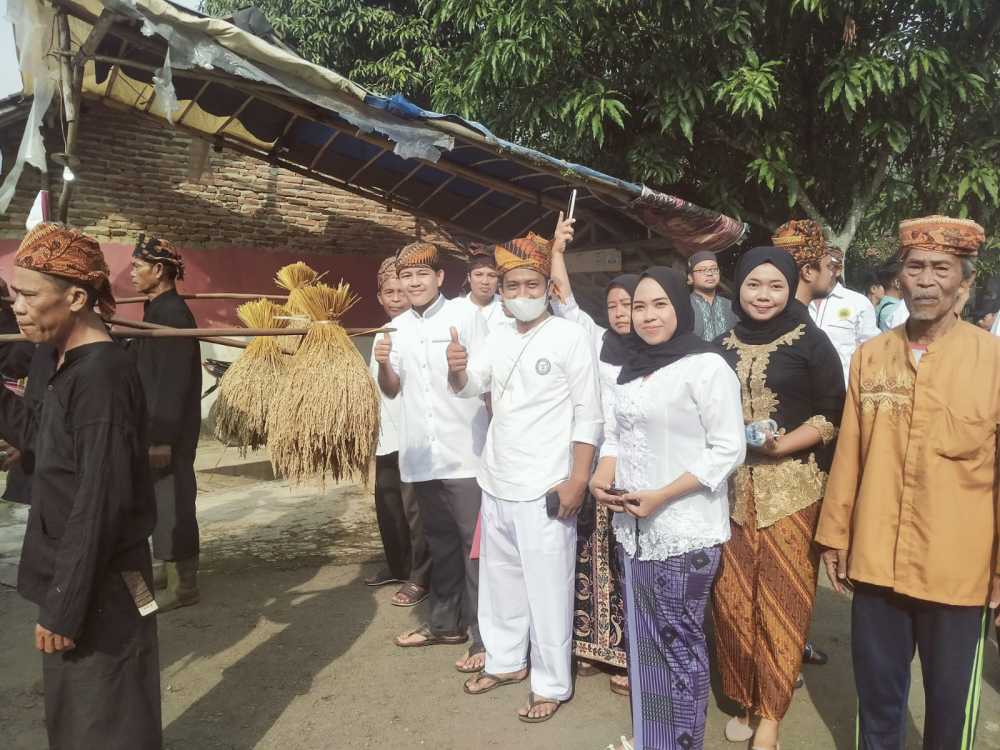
<point>85,561</point>
<point>170,370</point>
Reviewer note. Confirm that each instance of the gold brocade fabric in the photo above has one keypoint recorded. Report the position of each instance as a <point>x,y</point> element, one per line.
<point>776,490</point>
<point>894,393</point>
<point>827,432</point>
<point>759,401</point>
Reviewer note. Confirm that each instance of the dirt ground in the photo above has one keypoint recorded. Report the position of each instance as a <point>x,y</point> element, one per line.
<point>289,650</point>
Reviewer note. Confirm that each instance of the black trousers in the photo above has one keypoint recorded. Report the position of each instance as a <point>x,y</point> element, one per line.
<point>399,524</point>
<point>105,693</point>
<point>175,536</point>
<point>886,629</point>
<point>449,509</point>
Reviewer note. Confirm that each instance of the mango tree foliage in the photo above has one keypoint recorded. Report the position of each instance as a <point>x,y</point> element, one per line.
<point>855,112</point>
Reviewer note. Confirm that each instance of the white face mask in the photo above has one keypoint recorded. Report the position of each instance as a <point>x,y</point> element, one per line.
<point>527,309</point>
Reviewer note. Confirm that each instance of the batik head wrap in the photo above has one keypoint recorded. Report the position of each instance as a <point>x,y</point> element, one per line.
<point>69,254</point>
<point>418,254</point>
<point>155,250</point>
<point>532,252</point>
<point>481,256</point>
<point>804,239</point>
<point>962,237</point>
<point>386,271</point>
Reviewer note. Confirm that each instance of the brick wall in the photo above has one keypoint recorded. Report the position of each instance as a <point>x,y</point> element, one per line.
<point>134,179</point>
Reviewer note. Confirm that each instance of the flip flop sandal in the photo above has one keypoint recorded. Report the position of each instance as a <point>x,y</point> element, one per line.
<point>382,578</point>
<point>534,703</point>
<point>497,682</point>
<point>430,639</point>
<point>586,669</point>
<point>412,595</point>
<point>474,651</point>
<point>624,744</point>
<point>619,689</point>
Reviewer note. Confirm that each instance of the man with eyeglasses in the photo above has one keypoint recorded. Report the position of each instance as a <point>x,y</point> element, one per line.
<point>713,313</point>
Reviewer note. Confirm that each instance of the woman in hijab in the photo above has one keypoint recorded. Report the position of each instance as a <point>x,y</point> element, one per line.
<point>673,434</point>
<point>599,616</point>
<point>790,373</point>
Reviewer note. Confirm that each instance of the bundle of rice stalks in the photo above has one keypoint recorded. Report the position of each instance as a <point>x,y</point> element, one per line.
<point>248,387</point>
<point>295,276</point>
<point>324,420</point>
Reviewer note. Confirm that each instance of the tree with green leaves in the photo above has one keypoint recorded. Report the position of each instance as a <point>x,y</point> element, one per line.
<point>856,113</point>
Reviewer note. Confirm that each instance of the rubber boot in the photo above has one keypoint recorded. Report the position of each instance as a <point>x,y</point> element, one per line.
<point>182,584</point>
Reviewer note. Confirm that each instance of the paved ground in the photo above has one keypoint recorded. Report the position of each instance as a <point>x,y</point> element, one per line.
<point>290,651</point>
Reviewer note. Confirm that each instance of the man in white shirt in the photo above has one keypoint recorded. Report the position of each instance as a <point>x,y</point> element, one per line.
<point>482,280</point>
<point>995,330</point>
<point>847,317</point>
<point>534,473</point>
<point>440,441</point>
<point>407,559</point>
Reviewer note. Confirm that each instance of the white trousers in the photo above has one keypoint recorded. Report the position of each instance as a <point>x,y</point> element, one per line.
<point>527,565</point>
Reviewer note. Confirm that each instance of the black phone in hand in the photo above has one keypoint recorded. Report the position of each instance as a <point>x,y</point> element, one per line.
<point>552,503</point>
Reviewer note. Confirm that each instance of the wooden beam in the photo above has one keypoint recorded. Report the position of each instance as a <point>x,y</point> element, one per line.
<point>505,214</point>
<point>472,204</point>
<point>190,104</point>
<point>367,164</point>
<point>322,150</point>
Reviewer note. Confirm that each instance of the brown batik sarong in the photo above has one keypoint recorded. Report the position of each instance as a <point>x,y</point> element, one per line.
<point>598,612</point>
<point>762,603</point>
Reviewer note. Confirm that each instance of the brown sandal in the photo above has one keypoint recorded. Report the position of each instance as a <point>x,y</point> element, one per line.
<point>619,685</point>
<point>497,682</point>
<point>473,651</point>
<point>409,595</point>
<point>429,639</point>
<point>534,702</point>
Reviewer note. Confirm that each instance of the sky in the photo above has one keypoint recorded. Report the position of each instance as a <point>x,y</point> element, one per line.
<point>10,76</point>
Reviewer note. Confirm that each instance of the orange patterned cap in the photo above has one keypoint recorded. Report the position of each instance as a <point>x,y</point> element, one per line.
<point>386,271</point>
<point>58,250</point>
<point>804,239</point>
<point>417,254</point>
<point>532,252</point>
<point>961,237</point>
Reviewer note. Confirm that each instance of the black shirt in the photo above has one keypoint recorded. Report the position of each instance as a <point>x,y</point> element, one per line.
<point>170,370</point>
<point>92,495</point>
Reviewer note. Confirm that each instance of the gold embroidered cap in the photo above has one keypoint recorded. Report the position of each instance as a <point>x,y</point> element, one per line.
<point>417,254</point>
<point>532,252</point>
<point>961,237</point>
<point>804,239</point>
<point>386,271</point>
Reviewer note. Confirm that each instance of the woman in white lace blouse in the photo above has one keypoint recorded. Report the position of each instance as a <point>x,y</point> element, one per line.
<point>675,436</point>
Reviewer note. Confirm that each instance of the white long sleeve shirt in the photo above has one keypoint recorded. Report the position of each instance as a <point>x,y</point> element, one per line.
<point>440,436</point>
<point>848,318</point>
<point>545,397</point>
<point>995,330</point>
<point>492,313</point>
<point>389,415</point>
<point>607,372</point>
<point>686,417</point>
<point>900,314</point>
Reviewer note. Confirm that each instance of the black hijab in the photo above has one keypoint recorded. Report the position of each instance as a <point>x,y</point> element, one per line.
<point>751,331</point>
<point>615,348</point>
<point>645,359</point>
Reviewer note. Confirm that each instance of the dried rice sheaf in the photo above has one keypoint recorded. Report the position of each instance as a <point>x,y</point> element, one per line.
<point>295,276</point>
<point>324,420</point>
<point>247,389</point>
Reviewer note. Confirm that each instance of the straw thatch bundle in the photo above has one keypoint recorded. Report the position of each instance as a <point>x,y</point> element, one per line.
<point>249,385</point>
<point>324,420</point>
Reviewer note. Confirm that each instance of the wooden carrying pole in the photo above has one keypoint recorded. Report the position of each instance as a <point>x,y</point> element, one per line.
<point>210,295</point>
<point>201,333</point>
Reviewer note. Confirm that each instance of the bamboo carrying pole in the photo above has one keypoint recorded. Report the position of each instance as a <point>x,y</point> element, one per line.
<point>200,333</point>
<point>209,295</point>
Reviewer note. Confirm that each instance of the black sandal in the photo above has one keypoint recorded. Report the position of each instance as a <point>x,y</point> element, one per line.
<point>453,639</point>
<point>382,578</point>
